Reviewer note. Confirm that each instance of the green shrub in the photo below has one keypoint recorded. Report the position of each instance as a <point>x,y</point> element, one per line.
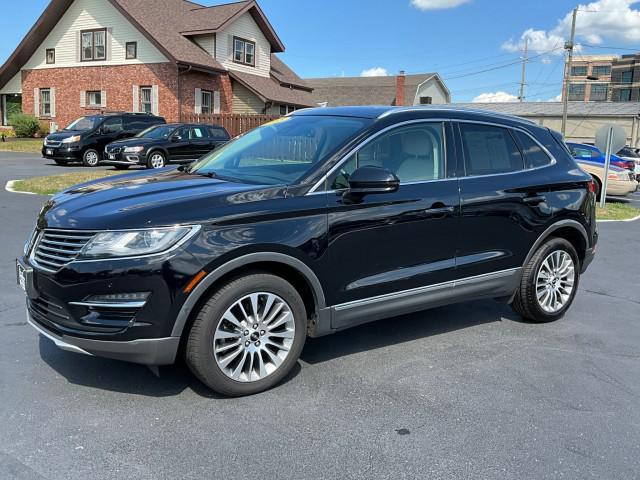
<point>25,125</point>
<point>7,132</point>
<point>43,130</point>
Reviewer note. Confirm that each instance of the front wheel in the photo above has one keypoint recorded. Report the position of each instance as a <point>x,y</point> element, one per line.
<point>248,335</point>
<point>156,160</point>
<point>549,282</point>
<point>90,158</point>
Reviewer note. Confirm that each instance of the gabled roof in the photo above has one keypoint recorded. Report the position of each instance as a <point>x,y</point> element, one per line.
<point>282,73</point>
<point>342,91</point>
<point>167,25</point>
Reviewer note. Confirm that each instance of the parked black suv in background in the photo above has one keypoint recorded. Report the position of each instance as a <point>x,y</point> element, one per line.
<point>317,222</point>
<point>157,146</point>
<point>85,138</point>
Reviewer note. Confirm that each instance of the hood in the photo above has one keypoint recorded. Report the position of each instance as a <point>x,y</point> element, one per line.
<point>62,134</point>
<point>152,199</point>
<point>133,142</point>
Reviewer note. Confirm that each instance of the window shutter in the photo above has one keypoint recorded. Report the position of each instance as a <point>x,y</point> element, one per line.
<point>198,101</point>
<point>155,101</point>
<point>216,102</point>
<point>230,47</point>
<point>136,99</point>
<point>103,97</point>
<point>107,42</point>
<point>36,102</point>
<point>83,98</point>
<point>79,47</point>
<point>53,101</point>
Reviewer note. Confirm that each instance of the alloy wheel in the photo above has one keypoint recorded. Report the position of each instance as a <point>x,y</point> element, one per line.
<point>254,337</point>
<point>157,160</point>
<point>91,158</point>
<point>555,281</point>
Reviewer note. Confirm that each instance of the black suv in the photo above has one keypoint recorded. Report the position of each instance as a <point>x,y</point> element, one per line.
<point>85,138</point>
<point>314,223</point>
<point>162,144</point>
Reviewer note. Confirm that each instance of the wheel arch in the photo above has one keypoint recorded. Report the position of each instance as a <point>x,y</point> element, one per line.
<point>571,230</point>
<point>285,266</point>
<point>160,149</point>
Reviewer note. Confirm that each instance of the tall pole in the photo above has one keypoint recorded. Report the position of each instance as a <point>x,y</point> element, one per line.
<point>569,47</point>
<point>525,59</point>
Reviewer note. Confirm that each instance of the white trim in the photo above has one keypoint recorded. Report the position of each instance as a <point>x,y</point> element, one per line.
<point>9,187</point>
<point>626,220</point>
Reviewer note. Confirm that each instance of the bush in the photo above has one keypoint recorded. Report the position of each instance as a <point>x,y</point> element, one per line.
<point>43,130</point>
<point>7,133</point>
<point>25,125</point>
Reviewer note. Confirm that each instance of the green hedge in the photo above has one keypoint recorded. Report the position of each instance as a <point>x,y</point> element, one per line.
<point>25,125</point>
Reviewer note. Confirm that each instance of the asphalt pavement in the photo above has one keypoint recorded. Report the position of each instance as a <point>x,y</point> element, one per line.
<point>463,392</point>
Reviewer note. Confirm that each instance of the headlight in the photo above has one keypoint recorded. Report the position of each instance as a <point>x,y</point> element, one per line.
<point>133,149</point>
<point>29,242</point>
<point>136,242</point>
<point>74,139</point>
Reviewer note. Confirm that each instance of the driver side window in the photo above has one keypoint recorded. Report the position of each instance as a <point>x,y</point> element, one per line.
<point>414,153</point>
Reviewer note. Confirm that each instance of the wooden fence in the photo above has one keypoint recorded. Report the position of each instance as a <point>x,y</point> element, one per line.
<point>234,123</point>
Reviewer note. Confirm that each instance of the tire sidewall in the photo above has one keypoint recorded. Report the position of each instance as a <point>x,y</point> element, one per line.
<point>85,162</point>
<point>208,371</point>
<point>539,257</point>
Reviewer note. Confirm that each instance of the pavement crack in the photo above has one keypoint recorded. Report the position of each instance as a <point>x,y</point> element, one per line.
<point>617,297</point>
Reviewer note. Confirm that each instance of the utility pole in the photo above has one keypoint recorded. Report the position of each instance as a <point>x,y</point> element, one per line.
<point>525,59</point>
<point>569,47</point>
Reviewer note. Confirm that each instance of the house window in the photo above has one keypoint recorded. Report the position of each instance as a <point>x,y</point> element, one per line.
<point>93,45</point>
<point>94,99</point>
<point>426,100</point>
<point>625,95</point>
<point>576,91</point>
<point>206,101</point>
<point>45,102</point>
<point>627,76</point>
<point>285,109</point>
<point>244,51</point>
<point>599,92</point>
<point>145,100</point>
<point>51,56</point>
<point>579,71</point>
<point>601,70</point>
<point>132,50</point>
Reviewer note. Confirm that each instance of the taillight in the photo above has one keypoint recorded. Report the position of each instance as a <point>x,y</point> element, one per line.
<point>592,186</point>
<point>618,164</point>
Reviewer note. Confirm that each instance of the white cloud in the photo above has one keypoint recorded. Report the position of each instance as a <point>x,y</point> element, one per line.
<point>596,21</point>
<point>375,72</point>
<point>425,5</point>
<point>495,97</point>
<point>557,98</point>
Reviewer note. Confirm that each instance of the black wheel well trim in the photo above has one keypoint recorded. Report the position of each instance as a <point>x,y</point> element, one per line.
<point>567,223</point>
<point>237,264</point>
<point>159,149</point>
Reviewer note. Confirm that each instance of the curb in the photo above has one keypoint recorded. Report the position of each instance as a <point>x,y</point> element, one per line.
<point>627,220</point>
<point>9,188</point>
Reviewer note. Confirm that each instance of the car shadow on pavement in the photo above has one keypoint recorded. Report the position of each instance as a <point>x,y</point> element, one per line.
<point>405,328</point>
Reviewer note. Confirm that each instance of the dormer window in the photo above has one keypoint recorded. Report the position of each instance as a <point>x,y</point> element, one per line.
<point>93,44</point>
<point>244,51</point>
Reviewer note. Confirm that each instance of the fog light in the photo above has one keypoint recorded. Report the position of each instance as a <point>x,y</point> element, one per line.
<point>119,297</point>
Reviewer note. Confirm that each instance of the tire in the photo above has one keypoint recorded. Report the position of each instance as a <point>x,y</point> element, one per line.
<point>62,163</point>
<point>156,160</point>
<point>90,158</point>
<point>598,185</point>
<point>235,369</point>
<point>534,290</point>
<point>122,167</point>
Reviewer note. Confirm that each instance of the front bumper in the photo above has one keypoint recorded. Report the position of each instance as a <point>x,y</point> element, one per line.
<point>151,351</point>
<point>122,158</point>
<point>62,153</point>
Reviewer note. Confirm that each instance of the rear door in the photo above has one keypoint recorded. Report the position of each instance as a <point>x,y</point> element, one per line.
<point>394,242</point>
<point>503,198</point>
<point>219,137</point>
<point>200,141</point>
<point>112,129</point>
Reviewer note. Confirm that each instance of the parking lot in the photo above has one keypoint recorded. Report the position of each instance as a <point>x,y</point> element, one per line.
<point>465,391</point>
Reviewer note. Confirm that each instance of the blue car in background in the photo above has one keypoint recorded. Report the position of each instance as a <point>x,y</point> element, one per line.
<point>589,153</point>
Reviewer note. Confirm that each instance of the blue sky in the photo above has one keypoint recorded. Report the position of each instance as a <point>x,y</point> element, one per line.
<point>347,37</point>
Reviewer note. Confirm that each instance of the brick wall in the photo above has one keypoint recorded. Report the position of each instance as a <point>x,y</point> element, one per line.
<point>117,82</point>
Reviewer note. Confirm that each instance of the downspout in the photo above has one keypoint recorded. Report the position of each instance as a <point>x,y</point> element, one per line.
<point>179,87</point>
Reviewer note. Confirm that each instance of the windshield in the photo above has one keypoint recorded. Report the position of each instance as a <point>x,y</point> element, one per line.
<point>84,123</point>
<point>157,132</point>
<point>281,152</point>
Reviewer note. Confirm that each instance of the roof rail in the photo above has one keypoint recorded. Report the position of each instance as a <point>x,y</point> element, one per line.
<point>418,108</point>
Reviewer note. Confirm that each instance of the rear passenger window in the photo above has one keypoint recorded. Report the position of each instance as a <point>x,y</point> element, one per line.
<point>218,133</point>
<point>489,150</point>
<point>534,156</point>
<point>199,133</point>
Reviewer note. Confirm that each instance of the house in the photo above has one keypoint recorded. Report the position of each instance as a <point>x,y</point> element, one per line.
<point>421,89</point>
<point>583,118</point>
<point>168,58</point>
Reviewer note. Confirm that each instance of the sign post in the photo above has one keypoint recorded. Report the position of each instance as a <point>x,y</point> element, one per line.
<point>610,139</point>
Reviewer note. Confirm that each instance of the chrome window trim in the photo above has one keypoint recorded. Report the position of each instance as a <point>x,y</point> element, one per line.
<point>365,142</point>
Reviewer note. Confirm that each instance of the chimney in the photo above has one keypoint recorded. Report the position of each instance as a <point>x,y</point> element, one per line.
<point>400,89</point>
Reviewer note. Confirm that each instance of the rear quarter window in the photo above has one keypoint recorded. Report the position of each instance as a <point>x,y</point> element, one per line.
<point>534,155</point>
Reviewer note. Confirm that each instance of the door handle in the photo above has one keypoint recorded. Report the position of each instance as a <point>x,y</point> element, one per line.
<point>439,209</point>
<point>535,200</point>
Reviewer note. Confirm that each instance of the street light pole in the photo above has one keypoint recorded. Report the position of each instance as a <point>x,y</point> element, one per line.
<point>569,47</point>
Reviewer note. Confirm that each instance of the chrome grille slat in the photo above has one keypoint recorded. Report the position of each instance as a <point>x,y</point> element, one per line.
<point>55,248</point>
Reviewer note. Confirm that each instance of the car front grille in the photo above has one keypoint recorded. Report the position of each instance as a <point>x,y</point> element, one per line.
<point>113,150</point>
<point>52,143</point>
<point>56,248</point>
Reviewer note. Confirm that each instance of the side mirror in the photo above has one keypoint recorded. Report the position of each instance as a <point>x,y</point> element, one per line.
<point>370,180</point>
<point>176,138</point>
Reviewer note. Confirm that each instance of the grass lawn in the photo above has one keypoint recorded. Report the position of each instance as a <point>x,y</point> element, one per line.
<point>55,183</point>
<point>616,211</point>
<point>25,145</point>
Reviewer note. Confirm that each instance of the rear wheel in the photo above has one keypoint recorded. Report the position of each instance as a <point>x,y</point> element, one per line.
<point>156,160</point>
<point>90,158</point>
<point>549,282</point>
<point>248,335</point>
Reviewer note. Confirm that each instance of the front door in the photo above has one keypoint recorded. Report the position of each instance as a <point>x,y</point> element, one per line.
<point>394,243</point>
<point>179,147</point>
